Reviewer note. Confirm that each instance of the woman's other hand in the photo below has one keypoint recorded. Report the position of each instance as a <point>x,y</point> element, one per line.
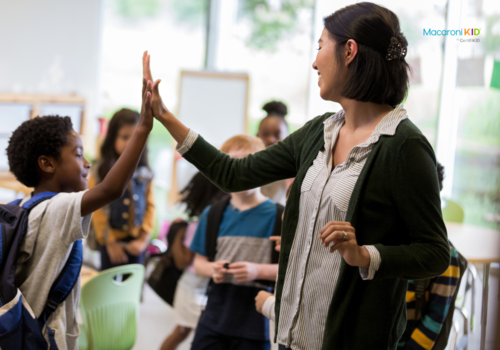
<point>342,236</point>
<point>159,109</point>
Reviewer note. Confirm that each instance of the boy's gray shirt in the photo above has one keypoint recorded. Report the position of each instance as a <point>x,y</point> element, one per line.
<point>53,227</point>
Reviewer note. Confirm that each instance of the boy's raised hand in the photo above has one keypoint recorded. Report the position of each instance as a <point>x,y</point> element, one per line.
<point>146,119</point>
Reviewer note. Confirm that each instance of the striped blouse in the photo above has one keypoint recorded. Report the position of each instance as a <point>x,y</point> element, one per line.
<point>312,271</point>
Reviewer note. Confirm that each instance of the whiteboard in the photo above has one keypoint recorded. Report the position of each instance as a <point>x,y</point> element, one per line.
<point>214,104</point>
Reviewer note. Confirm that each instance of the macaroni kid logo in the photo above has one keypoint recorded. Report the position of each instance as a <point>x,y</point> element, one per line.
<point>462,33</point>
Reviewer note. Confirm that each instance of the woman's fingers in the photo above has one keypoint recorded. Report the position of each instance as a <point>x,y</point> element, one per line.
<point>335,237</point>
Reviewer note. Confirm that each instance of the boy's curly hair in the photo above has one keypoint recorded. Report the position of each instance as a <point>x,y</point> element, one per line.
<point>32,139</point>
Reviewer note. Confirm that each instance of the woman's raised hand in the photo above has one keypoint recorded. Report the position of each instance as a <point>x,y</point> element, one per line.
<point>343,237</point>
<point>159,109</point>
<point>178,130</point>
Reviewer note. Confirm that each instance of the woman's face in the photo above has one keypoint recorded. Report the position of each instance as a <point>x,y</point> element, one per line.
<point>329,81</point>
<point>272,130</point>
<point>123,137</point>
<point>325,65</point>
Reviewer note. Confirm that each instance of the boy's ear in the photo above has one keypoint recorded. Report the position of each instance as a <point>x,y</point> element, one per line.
<point>47,164</point>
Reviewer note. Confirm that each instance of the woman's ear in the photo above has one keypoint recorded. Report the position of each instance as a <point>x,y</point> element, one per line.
<point>47,164</point>
<point>351,50</point>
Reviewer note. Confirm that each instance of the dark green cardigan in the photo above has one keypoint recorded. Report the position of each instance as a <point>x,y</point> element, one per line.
<point>395,206</point>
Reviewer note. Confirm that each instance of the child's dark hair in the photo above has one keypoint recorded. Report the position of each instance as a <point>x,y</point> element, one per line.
<point>440,170</point>
<point>200,193</point>
<point>275,108</point>
<point>41,136</point>
<point>371,77</point>
<point>109,156</point>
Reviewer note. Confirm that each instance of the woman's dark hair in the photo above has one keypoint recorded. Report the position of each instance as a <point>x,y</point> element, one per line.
<point>370,76</point>
<point>200,193</point>
<point>275,108</point>
<point>108,153</point>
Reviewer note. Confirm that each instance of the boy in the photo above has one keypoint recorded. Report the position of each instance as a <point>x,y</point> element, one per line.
<point>243,256</point>
<point>45,153</point>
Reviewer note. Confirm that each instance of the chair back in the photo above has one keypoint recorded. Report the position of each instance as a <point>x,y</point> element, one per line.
<point>110,308</point>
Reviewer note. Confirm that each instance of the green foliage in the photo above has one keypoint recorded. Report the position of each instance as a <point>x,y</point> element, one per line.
<point>483,122</point>
<point>269,26</point>
<point>191,12</point>
<point>491,42</point>
<point>136,9</point>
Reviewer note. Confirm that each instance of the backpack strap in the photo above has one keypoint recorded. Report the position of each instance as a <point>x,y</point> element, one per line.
<point>275,255</point>
<point>214,220</point>
<point>37,199</point>
<point>61,288</point>
<point>420,302</point>
<point>16,202</point>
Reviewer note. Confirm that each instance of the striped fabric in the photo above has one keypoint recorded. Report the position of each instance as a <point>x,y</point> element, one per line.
<point>312,271</point>
<point>421,334</point>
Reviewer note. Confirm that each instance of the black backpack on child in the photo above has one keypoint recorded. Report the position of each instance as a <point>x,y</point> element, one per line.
<point>421,305</point>
<point>19,329</point>
<point>214,220</point>
<point>165,276</point>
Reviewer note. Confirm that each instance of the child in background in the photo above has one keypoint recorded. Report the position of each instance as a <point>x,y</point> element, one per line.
<point>274,128</point>
<point>45,153</point>
<point>124,226</point>
<point>243,256</point>
<point>190,295</point>
<point>264,301</point>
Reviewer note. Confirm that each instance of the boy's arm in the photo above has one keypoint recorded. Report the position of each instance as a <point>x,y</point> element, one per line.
<point>114,184</point>
<point>441,291</point>
<point>244,271</point>
<point>208,269</point>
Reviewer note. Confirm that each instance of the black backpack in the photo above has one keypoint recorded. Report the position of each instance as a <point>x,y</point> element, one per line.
<point>214,220</point>
<point>163,280</point>
<point>421,304</point>
<point>18,327</point>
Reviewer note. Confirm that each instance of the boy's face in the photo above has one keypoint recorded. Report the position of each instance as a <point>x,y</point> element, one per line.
<point>72,169</point>
<point>241,153</point>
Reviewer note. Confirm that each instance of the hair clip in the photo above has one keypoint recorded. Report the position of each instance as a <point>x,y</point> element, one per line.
<point>395,50</point>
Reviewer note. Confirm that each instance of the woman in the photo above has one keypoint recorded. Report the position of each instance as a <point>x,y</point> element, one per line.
<point>364,214</point>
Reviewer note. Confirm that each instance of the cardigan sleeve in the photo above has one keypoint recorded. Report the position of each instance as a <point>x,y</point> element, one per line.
<point>276,162</point>
<point>415,192</point>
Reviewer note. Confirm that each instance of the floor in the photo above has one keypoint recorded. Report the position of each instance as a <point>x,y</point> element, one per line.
<point>156,318</point>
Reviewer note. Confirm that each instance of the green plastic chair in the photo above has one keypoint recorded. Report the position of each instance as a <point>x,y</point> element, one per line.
<point>452,211</point>
<point>110,309</point>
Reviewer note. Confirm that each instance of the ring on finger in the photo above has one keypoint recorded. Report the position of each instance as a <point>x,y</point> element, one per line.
<point>345,236</point>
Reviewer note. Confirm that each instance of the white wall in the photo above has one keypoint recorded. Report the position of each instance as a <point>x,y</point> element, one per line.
<point>53,47</point>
